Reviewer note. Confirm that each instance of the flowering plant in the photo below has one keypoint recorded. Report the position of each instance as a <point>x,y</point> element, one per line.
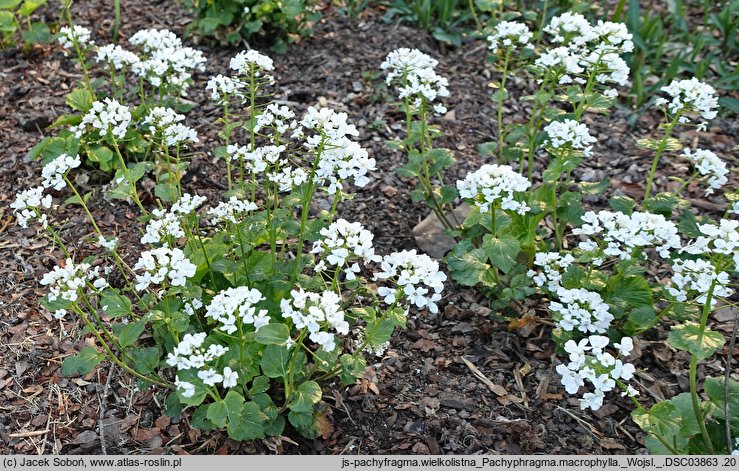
<point>597,268</point>
<point>241,308</point>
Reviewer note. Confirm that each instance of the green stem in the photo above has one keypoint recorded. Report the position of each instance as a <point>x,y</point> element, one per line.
<point>127,174</point>
<point>78,50</point>
<point>662,146</point>
<point>693,374</point>
<point>501,93</point>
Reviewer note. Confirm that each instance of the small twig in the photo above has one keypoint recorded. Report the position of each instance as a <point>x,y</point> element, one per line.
<point>102,401</point>
<point>727,377</point>
<point>35,433</point>
<point>590,429</point>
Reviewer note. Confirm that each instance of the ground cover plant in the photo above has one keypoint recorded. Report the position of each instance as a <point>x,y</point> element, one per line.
<point>230,252</point>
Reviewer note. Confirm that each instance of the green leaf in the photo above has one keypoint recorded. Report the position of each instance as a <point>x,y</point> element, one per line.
<point>439,160</point>
<point>502,251</point>
<point>80,99</point>
<point>29,6</point>
<point>229,408</point>
<point>249,425</point>
<point>115,305</point>
<point>487,149</point>
<point>467,265</point>
<point>352,368</point>
<point>272,334</point>
<point>662,203</point>
<point>628,291</point>
<point>714,388</point>
<point>82,363</point>
<point>303,423</point>
<point>9,4</point>
<point>305,396</point>
<point>38,33</point>
<point>569,208</point>
<point>131,332</point>
<point>103,156</point>
<point>173,405</point>
<point>145,360</point>
<point>274,361</point>
<point>190,376</point>
<point>622,204</point>
<point>7,23</point>
<point>662,419</point>
<point>259,385</point>
<point>687,337</point>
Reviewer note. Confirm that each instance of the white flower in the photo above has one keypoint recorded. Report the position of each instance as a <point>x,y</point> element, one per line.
<point>318,313</point>
<point>116,56</point>
<point>210,377</point>
<point>691,96</point>
<point>230,378</point>
<point>624,233</point>
<point>722,239</point>
<point>162,225</point>
<point>493,183</point>
<point>288,178</point>
<point>403,62</point>
<point>107,116</point>
<point>108,244</point>
<point>29,204</point>
<point>244,60</point>
<point>695,277</point>
<point>161,264</point>
<point>592,400</point>
<point>222,88</point>
<point>571,28</point>
<point>708,163</point>
<point>234,304</point>
<point>67,36</point>
<point>553,265</point>
<point>276,117</point>
<point>507,33</point>
<point>188,389</point>
<point>570,134</point>
<point>342,243</point>
<point>161,118</point>
<point>165,61</point>
<point>53,172</point>
<point>232,211</point>
<point>582,310</point>
<point>407,271</point>
<point>625,347</point>
<point>66,281</point>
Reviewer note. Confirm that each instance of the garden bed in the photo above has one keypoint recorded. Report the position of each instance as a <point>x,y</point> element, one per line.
<point>429,393</point>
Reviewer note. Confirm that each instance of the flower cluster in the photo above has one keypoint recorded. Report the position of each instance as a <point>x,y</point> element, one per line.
<point>508,33</point>
<point>569,134</point>
<point>587,49</point>
<point>340,157</point>
<point>492,183</point>
<point>708,164</point>
<point>690,96</point>
<point>243,62</point>
<point>232,211</point>
<point>697,277</point>
<point>67,36</point>
<point>415,75</point>
<point>288,178</point>
<point>28,205</point>
<point>414,279</point>
<point>165,61</point>
<point>582,310</point>
<point>161,264</point>
<point>222,88</point>
<point>107,116</point>
<point>279,118</point>
<point>116,56</point>
<point>53,172</point>
<point>624,233</point>
<point>65,282</point>
<point>343,243</point>
<point>553,265</point>
<point>258,160</point>
<point>166,224</point>
<point>318,313</point>
<point>167,123</point>
<point>234,304</point>
<point>590,362</point>
<point>190,353</point>
<point>721,239</point>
